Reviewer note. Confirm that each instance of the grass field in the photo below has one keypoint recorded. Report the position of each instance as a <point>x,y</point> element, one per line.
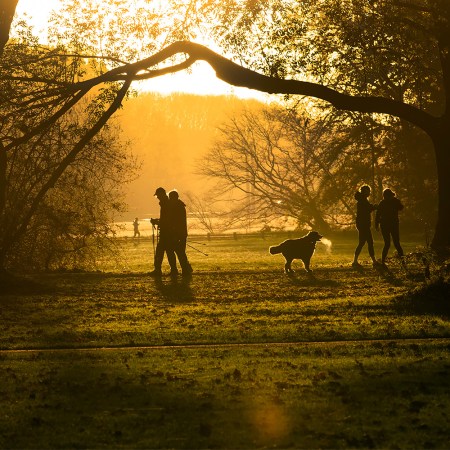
<point>238,356</point>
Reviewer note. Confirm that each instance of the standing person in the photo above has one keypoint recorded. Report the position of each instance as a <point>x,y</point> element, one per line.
<point>136,228</point>
<point>165,243</point>
<point>363,223</point>
<point>387,218</point>
<point>179,230</point>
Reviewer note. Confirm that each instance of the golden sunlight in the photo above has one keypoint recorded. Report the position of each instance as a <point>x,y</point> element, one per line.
<point>201,80</point>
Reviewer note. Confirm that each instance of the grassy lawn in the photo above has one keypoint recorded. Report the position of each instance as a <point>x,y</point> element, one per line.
<point>238,356</point>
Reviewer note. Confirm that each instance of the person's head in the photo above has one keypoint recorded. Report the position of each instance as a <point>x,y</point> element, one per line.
<point>365,190</point>
<point>160,193</point>
<point>173,195</point>
<point>387,193</point>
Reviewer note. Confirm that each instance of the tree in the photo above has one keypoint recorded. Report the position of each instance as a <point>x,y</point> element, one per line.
<point>390,57</point>
<point>359,56</point>
<point>7,11</point>
<point>57,203</point>
<point>286,163</point>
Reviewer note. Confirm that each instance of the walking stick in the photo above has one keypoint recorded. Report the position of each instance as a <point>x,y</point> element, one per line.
<point>153,236</point>
<point>196,249</point>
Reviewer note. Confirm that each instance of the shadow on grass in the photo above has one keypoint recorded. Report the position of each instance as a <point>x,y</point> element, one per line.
<point>175,290</point>
<point>433,298</point>
<point>11,284</point>
<point>387,274</point>
<point>310,279</point>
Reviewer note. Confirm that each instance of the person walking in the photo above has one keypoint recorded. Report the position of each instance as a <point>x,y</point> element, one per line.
<point>179,231</point>
<point>165,242</point>
<point>363,224</point>
<point>136,228</point>
<point>386,218</point>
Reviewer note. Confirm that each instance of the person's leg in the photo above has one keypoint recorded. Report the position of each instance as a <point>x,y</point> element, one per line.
<point>169,246</point>
<point>159,256</point>
<point>361,241</point>
<point>386,232</point>
<point>396,239</point>
<point>370,246</point>
<point>180,250</point>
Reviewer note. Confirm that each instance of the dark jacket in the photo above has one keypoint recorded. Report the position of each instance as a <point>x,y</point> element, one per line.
<point>363,211</point>
<point>387,211</point>
<point>165,216</point>
<point>178,219</point>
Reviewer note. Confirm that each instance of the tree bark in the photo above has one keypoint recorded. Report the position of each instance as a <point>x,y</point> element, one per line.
<point>7,11</point>
<point>3,168</point>
<point>441,239</point>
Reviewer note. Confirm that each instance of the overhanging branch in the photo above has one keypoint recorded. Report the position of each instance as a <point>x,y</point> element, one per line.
<point>237,75</point>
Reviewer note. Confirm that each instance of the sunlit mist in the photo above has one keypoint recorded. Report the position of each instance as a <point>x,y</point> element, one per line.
<point>328,244</point>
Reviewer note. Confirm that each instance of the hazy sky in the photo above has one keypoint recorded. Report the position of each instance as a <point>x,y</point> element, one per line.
<point>202,80</point>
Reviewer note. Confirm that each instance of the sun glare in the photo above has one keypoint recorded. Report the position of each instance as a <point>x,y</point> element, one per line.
<point>201,80</point>
<point>37,12</point>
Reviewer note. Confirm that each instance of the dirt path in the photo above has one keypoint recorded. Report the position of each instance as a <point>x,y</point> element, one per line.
<point>229,345</point>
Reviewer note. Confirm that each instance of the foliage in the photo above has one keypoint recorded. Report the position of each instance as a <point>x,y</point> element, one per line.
<point>306,163</point>
<point>359,60</point>
<point>58,194</point>
<point>387,57</point>
<point>358,46</point>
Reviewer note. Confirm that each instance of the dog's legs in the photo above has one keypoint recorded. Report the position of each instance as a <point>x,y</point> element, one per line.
<point>306,262</point>
<point>287,266</point>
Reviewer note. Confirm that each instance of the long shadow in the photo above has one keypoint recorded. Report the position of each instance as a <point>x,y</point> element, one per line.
<point>388,275</point>
<point>175,289</point>
<point>429,299</point>
<point>310,279</point>
<point>11,284</point>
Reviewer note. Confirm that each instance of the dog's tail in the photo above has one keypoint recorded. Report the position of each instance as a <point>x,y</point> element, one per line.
<point>275,249</point>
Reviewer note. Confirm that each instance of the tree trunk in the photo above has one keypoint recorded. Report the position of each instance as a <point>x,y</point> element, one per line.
<point>441,239</point>
<point>3,168</point>
<point>7,11</point>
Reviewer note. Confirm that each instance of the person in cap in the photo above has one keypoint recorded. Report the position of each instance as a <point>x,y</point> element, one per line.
<point>386,218</point>
<point>363,224</point>
<point>165,242</point>
<point>179,231</point>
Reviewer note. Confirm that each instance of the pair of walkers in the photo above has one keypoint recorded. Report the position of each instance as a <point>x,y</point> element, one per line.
<point>386,218</point>
<point>172,231</point>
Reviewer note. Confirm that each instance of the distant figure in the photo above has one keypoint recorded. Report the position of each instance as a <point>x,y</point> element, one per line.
<point>136,228</point>
<point>363,223</point>
<point>179,231</point>
<point>165,242</point>
<point>387,219</point>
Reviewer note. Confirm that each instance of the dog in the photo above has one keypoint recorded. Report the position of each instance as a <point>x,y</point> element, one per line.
<point>302,248</point>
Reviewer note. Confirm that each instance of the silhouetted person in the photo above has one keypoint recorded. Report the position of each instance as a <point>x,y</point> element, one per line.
<point>165,242</point>
<point>179,231</point>
<point>136,228</point>
<point>387,219</point>
<point>363,223</point>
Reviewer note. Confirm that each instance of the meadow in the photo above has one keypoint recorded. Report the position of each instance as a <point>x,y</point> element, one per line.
<point>240,355</point>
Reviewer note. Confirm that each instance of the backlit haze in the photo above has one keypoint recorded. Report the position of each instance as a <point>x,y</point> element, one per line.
<point>177,139</point>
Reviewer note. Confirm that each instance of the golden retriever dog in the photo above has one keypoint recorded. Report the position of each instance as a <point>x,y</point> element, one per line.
<point>302,248</point>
